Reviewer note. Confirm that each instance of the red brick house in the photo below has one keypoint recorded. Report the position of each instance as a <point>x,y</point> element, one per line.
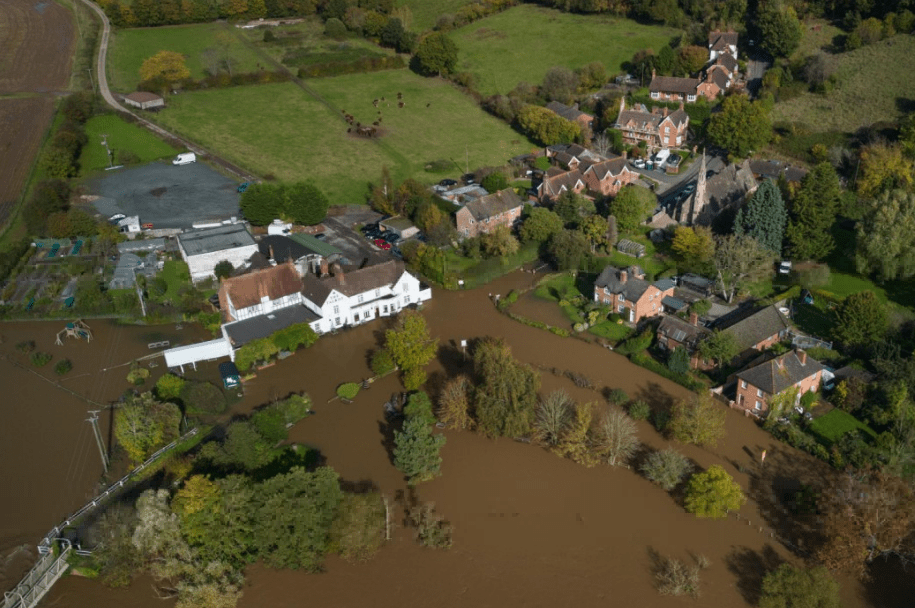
<point>573,114</point>
<point>756,332</point>
<point>629,294</point>
<point>481,216</point>
<point>758,385</point>
<point>555,182</point>
<point>671,88</point>
<point>674,332</point>
<point>607,177</point>
<point>660,127</point>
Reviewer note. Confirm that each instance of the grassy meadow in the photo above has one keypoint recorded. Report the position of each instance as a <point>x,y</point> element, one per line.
<point>130,47</point>
<point>426,12</point>
<point>305,44</point>
<point>280,130</point>
<point>122,135</point>
<point>863,95</point>
<point>522,43</point>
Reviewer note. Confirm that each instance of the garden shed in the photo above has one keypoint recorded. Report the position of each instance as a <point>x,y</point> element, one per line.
<point>144,100</point>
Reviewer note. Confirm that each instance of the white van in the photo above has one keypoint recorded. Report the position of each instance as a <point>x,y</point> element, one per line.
<point>185,159</point>
<point>661,156</point>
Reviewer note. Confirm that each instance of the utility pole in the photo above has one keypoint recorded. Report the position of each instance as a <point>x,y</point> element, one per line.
<point>105,143</point>
<point>91,79</point>
<point>136,284</point>
<point>93,420</point>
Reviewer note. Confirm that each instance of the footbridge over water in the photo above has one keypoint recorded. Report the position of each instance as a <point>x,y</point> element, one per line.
<point>39,580</point>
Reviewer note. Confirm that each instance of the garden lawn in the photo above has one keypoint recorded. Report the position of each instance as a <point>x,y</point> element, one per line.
<point>830,427</point>
<point>522,43</point>
<point>280,130</point>
<point>121,135</point>
<point>842,108</point>
<point>177,275</point>
<point>129,48</point>
<point>426,12</point>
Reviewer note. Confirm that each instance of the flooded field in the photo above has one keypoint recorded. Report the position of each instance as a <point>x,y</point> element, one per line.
<point>531,529</point>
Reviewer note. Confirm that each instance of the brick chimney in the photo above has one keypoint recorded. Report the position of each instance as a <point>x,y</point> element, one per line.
<point>802,356</point>
<point>653,73</point>
<point>338,273</point>
<point>694,319</point>
<point>270,249</point>
<point>625,154</point>
<point>324,268</point>
<point>623,276</point>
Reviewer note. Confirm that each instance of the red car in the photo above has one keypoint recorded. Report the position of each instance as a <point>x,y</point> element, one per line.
<point>383,244</point>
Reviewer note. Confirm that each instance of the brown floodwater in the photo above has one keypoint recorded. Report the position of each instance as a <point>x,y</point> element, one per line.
<point>531,529</point>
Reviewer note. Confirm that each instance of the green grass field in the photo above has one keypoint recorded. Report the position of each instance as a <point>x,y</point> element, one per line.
<point>836,423</point>
<point>129,48</point>
<point>522,43</point>
<point>280,130</point>
<point>426,12</point>
<point>862,96</point>
<point>122,135</point>
<point>307,43</point>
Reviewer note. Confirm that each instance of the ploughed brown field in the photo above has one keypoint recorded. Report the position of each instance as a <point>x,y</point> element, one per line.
<point>37,40</point>
<point>531,529</point>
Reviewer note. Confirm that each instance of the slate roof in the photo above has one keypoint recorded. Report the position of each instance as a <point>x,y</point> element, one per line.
<point>570,113</point>
<point>756,327</point>
<point>719,78</point>
<point>780,373</point>
<point>632,289</point>
<point>772,169</point>
<point>719,41</point>
<point>220,238</point>
<point>320,247</point>
<point>494,204</point>
<point>672,84</point>
<point>248,289</point>
<point>553,184</point>
<point>141,245</point>
<point>143,97</point>
<point>283,247</point>
<point>727,61</point>
<point>681,331</point>
<point>639,117</point>
<point>261,326</point>
<point>352,282</point>
<point>674,303</point>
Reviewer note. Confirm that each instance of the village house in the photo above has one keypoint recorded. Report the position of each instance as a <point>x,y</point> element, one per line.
<point>144,100</point>
<point>775,170</point>
<point>502,208</point>
<point>557,181</point>
<point>261,292</point>
<point>755,332</point>
<point>720,43</point>
<point>570,156</point>
<point>758,385</point>
<point>204,249</point>
<point>660,128</point>
<point>573,114</point>
<point>357,296</point>
<point>629,294</point>
<point>607,177</point>
<point>671,88</point>
<point>674,333</point>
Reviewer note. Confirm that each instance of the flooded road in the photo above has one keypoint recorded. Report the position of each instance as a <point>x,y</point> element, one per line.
<point>531,529</point>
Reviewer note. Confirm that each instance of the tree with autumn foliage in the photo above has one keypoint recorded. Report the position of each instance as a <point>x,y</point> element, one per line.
<point>411,347</point>
<point>168,66</point>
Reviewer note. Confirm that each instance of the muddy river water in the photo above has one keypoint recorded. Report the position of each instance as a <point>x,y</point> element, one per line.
<point>531,529</point>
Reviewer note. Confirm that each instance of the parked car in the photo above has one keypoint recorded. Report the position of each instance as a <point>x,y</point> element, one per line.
<point>116,217</point>
<point>639,163</point>
<point>689,189</point>
<point>661,155</point>
<point>391,237</point>
<point>321,236</point>
<point>147,226</point>
<point>674,160</point>
<point>242,187</point>
<point>448,182</point>
<point>382,244</point>
<point>185,159</point>
<point>784,267</point>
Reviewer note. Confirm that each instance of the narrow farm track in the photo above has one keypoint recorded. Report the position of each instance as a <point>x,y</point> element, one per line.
<point>105,90</point>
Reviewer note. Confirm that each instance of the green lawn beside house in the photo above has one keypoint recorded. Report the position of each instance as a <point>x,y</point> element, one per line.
<point>522,43</point>
<point>830,427</point>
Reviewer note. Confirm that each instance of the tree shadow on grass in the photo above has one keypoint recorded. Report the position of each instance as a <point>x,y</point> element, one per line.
<point>750,567</point>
